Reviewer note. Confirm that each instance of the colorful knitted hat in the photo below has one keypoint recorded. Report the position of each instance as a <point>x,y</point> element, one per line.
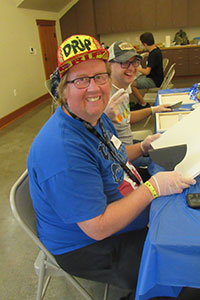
<point>79,48</point>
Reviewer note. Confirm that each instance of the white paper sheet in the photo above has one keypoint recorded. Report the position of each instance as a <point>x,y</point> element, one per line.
<point>174,98</point>
<point>165,120</point>
<point>186,131</point>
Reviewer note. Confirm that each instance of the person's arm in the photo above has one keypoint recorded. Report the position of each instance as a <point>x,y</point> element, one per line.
<point>144,71</point>
<point>134,151</point>
<point>119,214</point>
<point>139,115</point>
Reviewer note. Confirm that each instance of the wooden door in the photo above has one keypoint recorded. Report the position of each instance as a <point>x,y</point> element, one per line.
<point>49,45</point>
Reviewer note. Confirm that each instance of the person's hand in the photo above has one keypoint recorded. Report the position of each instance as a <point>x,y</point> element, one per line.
<point>112,108</point>
<point>172,182</point>
<point>161,108</point>
<point>146,144</point>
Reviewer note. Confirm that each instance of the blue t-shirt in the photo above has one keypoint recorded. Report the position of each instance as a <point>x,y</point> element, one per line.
<point>73,178</point>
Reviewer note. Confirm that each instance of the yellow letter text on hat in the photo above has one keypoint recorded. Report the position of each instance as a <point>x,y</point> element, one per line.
<point>78,48</point>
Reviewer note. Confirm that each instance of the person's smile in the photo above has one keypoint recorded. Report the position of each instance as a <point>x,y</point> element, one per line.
<point>93,99</point>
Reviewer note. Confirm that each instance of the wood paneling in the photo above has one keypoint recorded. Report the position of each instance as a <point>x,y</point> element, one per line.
<point>148,14</point>
<point>163,14</point>
<point>193,13</point>
<point>79,19</point>
<point>179,13</point>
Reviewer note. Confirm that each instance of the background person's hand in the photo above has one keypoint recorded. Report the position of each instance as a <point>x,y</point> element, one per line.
<point>146,144</point>
<point>172,182</point>
<point>112,108</point>
<point>161,108</point>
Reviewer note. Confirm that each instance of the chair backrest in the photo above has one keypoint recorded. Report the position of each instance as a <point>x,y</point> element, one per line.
<point>47,84</point>
<point>165,63</point>
<point>168,75</point>
<point>22,209</point>
<point>169,79</point>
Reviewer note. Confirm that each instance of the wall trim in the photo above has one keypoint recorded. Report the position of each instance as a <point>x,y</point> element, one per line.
<point>22,110</point>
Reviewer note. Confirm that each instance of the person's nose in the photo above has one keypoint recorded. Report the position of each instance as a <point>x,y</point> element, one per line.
<point>92,85</point>
<point>132,67</point>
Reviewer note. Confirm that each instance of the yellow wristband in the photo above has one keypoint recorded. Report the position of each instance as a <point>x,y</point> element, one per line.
<point>151,189</point>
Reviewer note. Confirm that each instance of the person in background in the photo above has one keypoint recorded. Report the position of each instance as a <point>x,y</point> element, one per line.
<point>91,204</point>
<point>151,76</point>
<point>55,79</point>
<point>124,61</point>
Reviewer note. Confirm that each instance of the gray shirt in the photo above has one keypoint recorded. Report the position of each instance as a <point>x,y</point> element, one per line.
<point>122,121</point>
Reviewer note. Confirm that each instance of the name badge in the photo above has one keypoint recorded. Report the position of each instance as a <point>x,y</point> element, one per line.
<point>116,142</point>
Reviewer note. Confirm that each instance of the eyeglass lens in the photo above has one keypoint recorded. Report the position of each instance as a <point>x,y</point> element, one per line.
<point>85,81</point>
<point>126,65</point>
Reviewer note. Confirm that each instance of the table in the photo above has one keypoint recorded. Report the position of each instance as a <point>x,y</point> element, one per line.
<point>171,254</point>
<point>172,91</point>
<point>184,109</point>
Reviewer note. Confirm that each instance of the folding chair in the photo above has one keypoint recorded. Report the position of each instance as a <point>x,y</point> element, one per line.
<point>165,63</point>
<point>54,102</point>
<point>45,264</point>
<point>166,84</point>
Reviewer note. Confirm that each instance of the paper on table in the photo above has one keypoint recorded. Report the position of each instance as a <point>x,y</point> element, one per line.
<point>186,131</point>
<point>174,98</point>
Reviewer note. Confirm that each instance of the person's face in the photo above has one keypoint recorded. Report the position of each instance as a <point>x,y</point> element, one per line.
<point>121,76</point>
<point>145,46</point>
<point>87,103</point>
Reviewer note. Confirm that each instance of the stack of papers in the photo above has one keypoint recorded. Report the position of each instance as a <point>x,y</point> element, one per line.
<point>186,131</point>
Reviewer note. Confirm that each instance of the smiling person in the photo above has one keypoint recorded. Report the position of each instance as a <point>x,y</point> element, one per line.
<point>91,204</point>
<point>124,62</point>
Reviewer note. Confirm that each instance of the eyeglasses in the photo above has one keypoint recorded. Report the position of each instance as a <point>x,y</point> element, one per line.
<point>83,82</point>
<point>126,64</point>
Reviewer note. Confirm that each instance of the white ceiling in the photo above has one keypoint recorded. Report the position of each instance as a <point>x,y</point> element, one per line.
<point>47,5</point>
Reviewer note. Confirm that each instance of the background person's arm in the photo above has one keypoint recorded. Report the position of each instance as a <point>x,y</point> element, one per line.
<point>139,115</point>
<point>144,71</point>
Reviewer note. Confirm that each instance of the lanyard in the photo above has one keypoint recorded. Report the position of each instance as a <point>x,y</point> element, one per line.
<point>106,141</point>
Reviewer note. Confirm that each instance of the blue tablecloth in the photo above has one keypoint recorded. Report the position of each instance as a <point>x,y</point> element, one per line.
<point>171,254</point>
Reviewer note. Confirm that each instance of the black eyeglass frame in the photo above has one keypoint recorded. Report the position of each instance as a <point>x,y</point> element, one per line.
<point>126,64</point>
<point>89,79</point>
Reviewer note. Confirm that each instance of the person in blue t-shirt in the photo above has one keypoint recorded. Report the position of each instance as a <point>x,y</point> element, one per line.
<point>91,204</point>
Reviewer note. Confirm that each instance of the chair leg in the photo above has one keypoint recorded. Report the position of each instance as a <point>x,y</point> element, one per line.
<point>42,287</point>
<point>40,280</point>
<point>79,287</point>
<point>45,286</point>
<point>105,296</point>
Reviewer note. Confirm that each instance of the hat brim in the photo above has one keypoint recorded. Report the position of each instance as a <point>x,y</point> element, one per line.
<point>127,55</point>
<point>93,54</point>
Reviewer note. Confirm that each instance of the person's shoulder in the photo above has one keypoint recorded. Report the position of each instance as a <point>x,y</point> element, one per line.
<point>157,49</point>
<point>108,124</point>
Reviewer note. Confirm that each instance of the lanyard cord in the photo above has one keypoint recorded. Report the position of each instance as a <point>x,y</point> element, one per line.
<point>105,141</point>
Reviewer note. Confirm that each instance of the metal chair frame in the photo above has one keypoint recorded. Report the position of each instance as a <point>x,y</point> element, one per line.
<point>45,264</point>
<point>54,102</point>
